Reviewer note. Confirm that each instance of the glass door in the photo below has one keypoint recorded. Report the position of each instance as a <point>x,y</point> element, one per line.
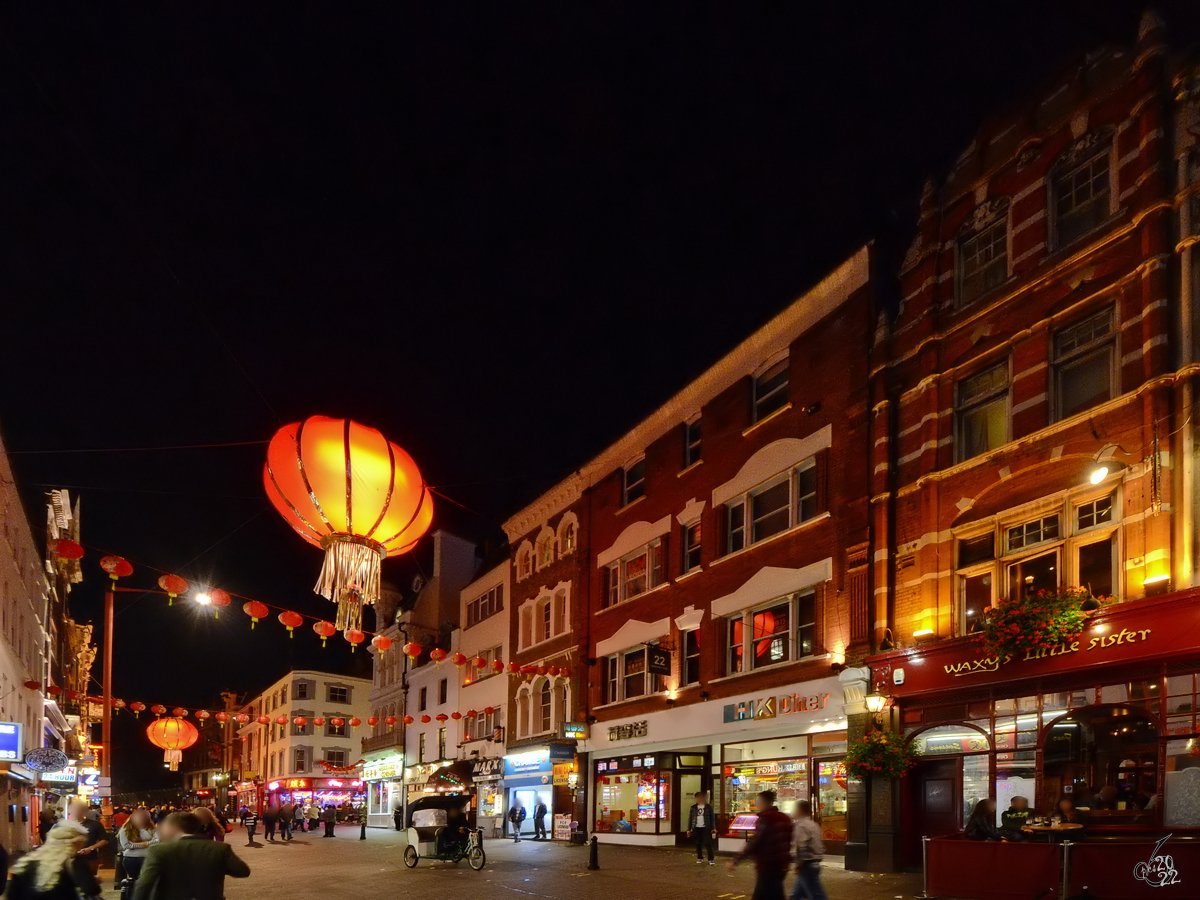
<point>831,799</point>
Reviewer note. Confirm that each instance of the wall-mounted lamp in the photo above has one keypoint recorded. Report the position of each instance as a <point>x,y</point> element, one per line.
<point>922,633</point>
<point>876,704</point>
<point>1104,462</point>
<point>1158,584</point>
<point>888,642</point>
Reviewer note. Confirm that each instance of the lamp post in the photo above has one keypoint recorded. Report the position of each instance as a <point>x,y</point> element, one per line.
<point>876,704</point>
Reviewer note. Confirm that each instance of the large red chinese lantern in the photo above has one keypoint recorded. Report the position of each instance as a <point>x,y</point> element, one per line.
<point>348,490</point>
<point>173,735</point>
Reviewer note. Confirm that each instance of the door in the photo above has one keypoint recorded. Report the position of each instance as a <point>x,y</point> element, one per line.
<point>690,784</point>
<point>936,789</point>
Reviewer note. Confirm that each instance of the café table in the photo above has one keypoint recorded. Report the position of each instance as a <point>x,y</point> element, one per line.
<point>1055,832</point>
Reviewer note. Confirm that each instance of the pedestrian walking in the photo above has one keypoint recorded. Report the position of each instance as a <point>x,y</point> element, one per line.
<point>702,827</point>
<point>810,849</point>
<point>250,820</point>
<point>312,813</point>
<point>270,819</point>
<point>55,870</point>
<point>287,818</point>
<point>516,816</point>
<point>539,818</point>
<point>329,817</point>
<point>134,838</point>
<point>771,848</point>
<point>46,820</point>
<point>97,836</point>
<point>211,825</point>
<point>185,866</point>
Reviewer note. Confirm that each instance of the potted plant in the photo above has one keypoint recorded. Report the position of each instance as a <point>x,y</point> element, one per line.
<point>1048,619</point>
<point>880,753</point>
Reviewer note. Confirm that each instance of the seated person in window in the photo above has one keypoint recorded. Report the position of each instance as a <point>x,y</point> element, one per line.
<point>1065,810</point>
<point>1106,798</point>
<point>1016,816</point>
<point>982,824</point>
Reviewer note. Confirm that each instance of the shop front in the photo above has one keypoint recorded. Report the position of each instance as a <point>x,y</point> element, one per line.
<point>384,779</point>
<point>249,796</point>
<point>791,741</point>
<point>347,795</point>
<point>529,780</point>
<point>488,776</point>
<point>1108,721</point>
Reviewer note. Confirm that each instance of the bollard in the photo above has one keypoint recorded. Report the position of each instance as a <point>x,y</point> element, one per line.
<point>925,895</point>
<point>362,832</point>
<point>594,854</point>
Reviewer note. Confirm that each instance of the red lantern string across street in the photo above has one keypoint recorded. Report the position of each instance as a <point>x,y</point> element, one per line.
<point>489,710</point>
<point>412,649</point>
<point>319,722</point>
<point>116,567</point>
<point>355,721</point>
<point>218,598</point>
<point>263,720</point>
<point>389,721</point>
<point>241,718</point>
<point>222,717</point>
<point>459,660</point>
<point>53,690</point>
<point>118,704</point>
<point>179,712</point>
<point>300,721</point>
<point>456,715</point>
<point>337,721</point>
<point>425,720</point>
<point>255,610</point>
<point>471,713</point>
<point>173,735</point>
<point>348,490</point>
<point>498,666</point>
<point>136,707</point>
<point>158,709</point>
<point>281,720</point>
<point>514,668</point>
<point>438,655</point>
<point>355,637</point>
<point>442,717</point>
<point>173,585</point>
<point>479,662</point>
<point>382,643</point>
<point>291,620</point>
<point>33,685</point>
<point>324,629</point>
<point>372,721</point>
<point>64,548</point>
<point>202,714</point>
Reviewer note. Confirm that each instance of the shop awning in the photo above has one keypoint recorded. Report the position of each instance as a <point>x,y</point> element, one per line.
<point>451,779</point>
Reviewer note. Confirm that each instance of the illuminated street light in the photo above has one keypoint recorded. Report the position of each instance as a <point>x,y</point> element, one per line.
<point>203,599</point>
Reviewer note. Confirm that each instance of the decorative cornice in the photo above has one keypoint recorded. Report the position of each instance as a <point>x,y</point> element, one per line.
<point>553,501</point>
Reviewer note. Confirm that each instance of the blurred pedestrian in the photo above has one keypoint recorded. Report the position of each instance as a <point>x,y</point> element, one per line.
<point>46,820</point>
<point>287,818</point>
<point>312,813</point>
<point>771,848</point>
<point>516,815</point>
<point>329,817</point>
<point>539,818</point>
<point>810,848</point>
<point>134,838</point>
<point>186,866</point>
<point>270,819</point>
<point>55,870</point>
<point>250,820</point>
<point>211,827</point>
<point>97,836</point>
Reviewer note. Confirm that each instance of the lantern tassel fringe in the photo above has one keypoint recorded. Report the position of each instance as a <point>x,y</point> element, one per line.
<point>350,577</point>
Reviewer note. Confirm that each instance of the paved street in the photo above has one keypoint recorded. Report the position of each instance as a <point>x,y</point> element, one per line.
<point>315,867</point>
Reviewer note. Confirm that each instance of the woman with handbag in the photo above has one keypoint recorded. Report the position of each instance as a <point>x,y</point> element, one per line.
<point>54,870</point>
<point>135,838</point>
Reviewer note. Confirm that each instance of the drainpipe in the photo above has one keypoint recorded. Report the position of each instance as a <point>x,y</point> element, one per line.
<point>1184,509</point>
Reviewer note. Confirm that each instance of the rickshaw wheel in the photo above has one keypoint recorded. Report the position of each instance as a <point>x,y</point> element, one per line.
<point>476,858</point>
<point>410,856</point>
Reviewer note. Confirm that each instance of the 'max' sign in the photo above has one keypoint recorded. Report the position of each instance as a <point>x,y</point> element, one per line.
<point>770,707</point>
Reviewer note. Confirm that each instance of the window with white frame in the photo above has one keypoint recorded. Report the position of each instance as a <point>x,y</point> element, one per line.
<point>544,708</point>
<point>300,760</point>
<point>690,548</point>
<point>481,726</point>
<point>692,445</point>
<point>635,573</point>
<point>524,561</point>
<point>771,390</point>
<point>544,618</point>
<point>568,534</point>
<point>633,484</point>
<point>545,548</point>
<point>1080,190</point>
<point>982,412</point>
<point>772,507</point>
<point>485,606</point>
<point>1073,544</point>
<point>1084,365</point>
<point>473,673</point>
<point>780,632</point>
<point>982,260</point>
<point>626,675</point>
<point>337,757</point>
<point>689,672</point>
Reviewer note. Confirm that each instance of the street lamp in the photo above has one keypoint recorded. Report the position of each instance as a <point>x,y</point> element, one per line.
<point>203,598</point>
<point>876,704</point>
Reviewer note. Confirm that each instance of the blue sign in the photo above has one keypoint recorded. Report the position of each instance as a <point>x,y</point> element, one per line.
<point>530,762</point>
<point>10,741</point>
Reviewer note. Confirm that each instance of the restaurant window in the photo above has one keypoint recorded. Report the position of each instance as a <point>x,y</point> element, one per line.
<point>633,485</point>
<point>771,390</point>
<point>750,767</point>
<point>983,260</point>
<point>691,442</point>
<point>771,508</point>
<point>1083,365</point>
<point>781,632</point>
<point>632,795</point>
<point>1079,191</point>
<point>690,672</point>
<point>626,675</point>
<point>982,412</point>
<point>635,573</point>
<point>691,548</point>
<point>485,606</point>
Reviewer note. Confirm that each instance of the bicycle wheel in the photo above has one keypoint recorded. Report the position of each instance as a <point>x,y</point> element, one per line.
<point>476,858</point>
<point>410,856</point>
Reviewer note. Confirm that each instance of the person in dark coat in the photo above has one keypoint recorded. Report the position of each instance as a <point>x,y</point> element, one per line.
<point>55,870</point>
<point>539,819</point>
<point>270,819</point>
<point>398,818</point>
<point>516,816</point>
<point>771,848</point>
<point>329,817</point>
<point>187,866</point>
<point>982,824</point>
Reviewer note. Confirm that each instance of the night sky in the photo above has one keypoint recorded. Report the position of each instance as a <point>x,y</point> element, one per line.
<point>501,234</point>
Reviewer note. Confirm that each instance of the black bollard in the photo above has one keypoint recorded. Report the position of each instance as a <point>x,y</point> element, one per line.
<point>594,854</point>
<point>362,833</point>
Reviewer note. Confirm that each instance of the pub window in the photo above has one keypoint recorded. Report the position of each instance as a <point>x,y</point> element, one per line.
<point>1097,564</point>
<point>633,485</point>
<point>772,507</point>
<point>982,260</point>
<point>982,412</point>
<point>635,573</point>
<point>1084,356</point>
<point>1079,194</point>
<point>1035,532</point>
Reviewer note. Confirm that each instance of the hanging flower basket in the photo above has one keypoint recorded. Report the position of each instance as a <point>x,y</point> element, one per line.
<point>880,753</point>
<point>1049,619</point>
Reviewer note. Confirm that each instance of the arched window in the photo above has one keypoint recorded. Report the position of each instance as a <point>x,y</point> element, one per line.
<point>560,612</point>
<point>545,716</point>
<point>523,712</point>
<point>562,713</point>
<point>568,530</point>
<point>524,561</point>
<point>545,548</point>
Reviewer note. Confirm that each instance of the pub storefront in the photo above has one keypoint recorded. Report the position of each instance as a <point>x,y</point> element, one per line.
<point>1109,721</point>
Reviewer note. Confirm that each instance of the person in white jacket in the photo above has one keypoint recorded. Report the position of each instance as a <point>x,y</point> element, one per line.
<point>809,850</point>
<point>135,838</point>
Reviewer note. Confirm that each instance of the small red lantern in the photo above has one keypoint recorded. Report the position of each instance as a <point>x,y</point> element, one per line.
<point>291,620</point>
<point>337,721</point>
<point>263,720</point>
<point>459,660</point>
<point>218,598</point>
<point>514,668</point>
<point>542,670</point>
<point>382,643</point>
<point>425,720</point>
<point>355,637</point>
<point>489,710</point>
<point>389,721</point>
<point>456,715</point>
<point>412,649</point>
<point>116,567</point>
<point>53,690</point>
<point>34,685</point>
<point>324,629</point>
<point>319,721</point>
<point>72,695</point>
<point>255,610</point>
<point>158,709</point>
<point>173,585</point>
<point>479,662</point>
<point>222,717</point>
<point>471,713</point>
<point>438,655</point>
<point>529,671</point>
<point>442,717</point>
<point>136,707</point>
<point>281,720</point>
<point>179,712</point>
<point>498,666</point>
<point>241,719</point>
<point>203,714</point>
<point>372,721</point>
<point>355,721</point>
<point>65,548</point>
<point>299,721</point>
<point>118,704</point>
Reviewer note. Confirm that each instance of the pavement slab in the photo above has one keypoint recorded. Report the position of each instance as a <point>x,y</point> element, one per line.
<point>317,868</point>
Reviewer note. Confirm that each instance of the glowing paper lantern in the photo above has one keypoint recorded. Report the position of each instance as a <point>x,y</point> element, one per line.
<point>116,567</point>
<point>442,717</point>
<point>355,721</point>
<point>218,598</point>
<point>255,610</point>
<point>552,671</point>
<point>337,721</point>
<point>408,720</point>
<point>324,629</point>
<point>355,637</point>
<point>319,722</point>
<point>389,721</point>
<point>53,690</point>
<point>479,662</point>
<point>299,721</point>
<point>498,666</point>
<point>64,548</point>
<point>241,718</point>
<point>179,712</point>
<point>489,710</point>
<point>372,721</point>
<point>425,720</point>
<point>34,685</point>
<point>459,660</point>
<point>291,620</point>
<point>118,704</point>
<point>382,643</point>
<point>136,707</point>
<point>263,720</point>
<point>456,715</point>
<point>514,668</point>
<point>158,709</point>
<point>438,655</point>
<point>471,713</point>
<point>281,720</point>
<point>348,490</point>
<point>222,717</point>
<point>173,735</point>
<point>412,649</point>
<point>202,714</point>
<point>173,585</point>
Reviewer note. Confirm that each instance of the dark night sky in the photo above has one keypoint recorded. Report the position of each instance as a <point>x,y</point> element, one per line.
<point>500,234</point>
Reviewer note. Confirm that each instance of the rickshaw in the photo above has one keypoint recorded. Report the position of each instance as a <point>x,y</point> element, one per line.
<point>432,823</point>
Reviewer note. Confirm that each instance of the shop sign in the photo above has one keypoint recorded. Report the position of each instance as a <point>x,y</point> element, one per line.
<point>232,792</point>
<point>562,773</point>
<point>291,784</point>
<point>339,783</point>
<point>577,731</point>
<point>10,741</point>
<point>487,768</point>
<point>773,706</point>
<point>658,661</point>
<point>391,767</point>
<point>531,762</point>
<point>562,827</point>
<point>69,774</point>
<point>625,764</point>
<point>628,731</point>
